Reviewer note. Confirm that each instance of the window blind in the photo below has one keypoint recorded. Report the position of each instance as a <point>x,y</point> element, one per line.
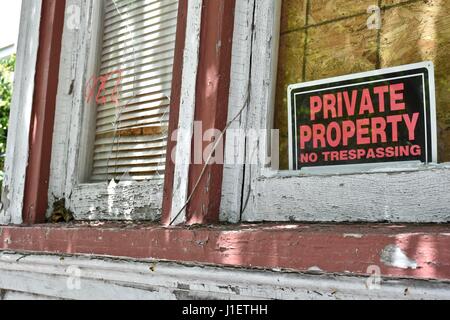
<point>133,108</point>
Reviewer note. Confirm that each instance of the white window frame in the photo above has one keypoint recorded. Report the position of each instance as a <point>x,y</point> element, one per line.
<point>73,138</point>
<point>20,115</point>
<point>417,194</point>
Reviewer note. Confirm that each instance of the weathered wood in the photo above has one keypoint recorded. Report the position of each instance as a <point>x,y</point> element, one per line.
<point>233,172</point>
<point>328,10</point>
<point>35,202</point>
<point>290,71</point>
<point>37,277</point>
<point>330,248</point>
<point>175,103</point>
<point>126,200</point>
<point>73,136</point>
<point>74,117</point>
<point>417,32</point>
<point>211,110</point>
<point>398,195</point>
<point>293,15</point>
<point>340,48</point>
<point>395,197</point>
<point>20,118</point>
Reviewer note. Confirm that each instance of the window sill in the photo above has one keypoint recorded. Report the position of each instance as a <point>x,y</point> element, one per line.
<point>323,248</point>
<point>361,169</point>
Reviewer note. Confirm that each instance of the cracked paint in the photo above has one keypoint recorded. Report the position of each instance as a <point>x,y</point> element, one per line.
<point>393,256</point>
<point>353,235</point>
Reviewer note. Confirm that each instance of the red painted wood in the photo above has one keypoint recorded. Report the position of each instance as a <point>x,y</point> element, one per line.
<point>211,110</point>
<point>43,111</point>
<point>174,109</point>
<point>332,248</point>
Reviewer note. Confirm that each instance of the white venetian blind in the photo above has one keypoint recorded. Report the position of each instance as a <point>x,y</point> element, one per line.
<point>137,54</point>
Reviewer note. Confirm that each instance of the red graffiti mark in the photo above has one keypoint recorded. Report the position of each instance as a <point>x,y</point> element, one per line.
<point>96,86</point>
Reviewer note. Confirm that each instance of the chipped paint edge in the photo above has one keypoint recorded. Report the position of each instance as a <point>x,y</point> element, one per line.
<point>187,112</point>
<point>108,278</point>
<point>270,195</point>
<point>20,119</point>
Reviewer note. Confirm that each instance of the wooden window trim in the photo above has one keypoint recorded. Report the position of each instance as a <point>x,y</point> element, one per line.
<point>306,248</point>
<point>29,123</point>
<point>211,107</point>
<point>127,200</point>
<point>317,249</point>
<point>409,195</point>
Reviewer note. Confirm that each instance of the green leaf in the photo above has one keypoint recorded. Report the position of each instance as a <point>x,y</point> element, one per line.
<point>6,69</point>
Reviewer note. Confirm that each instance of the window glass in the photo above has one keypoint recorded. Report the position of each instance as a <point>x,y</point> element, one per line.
<point>134,88</point>
<point>327,38</point>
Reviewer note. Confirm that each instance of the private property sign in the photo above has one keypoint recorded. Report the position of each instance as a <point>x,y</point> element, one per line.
<point>382,116</point>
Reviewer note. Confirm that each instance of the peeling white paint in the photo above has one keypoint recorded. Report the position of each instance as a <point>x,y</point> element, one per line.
<point>20,115</point>
<point>394,256</point>
<point>187,111</point>
<point>233,173</point>
<point>41,276</point>
<point>353,235</point>
<point>315,269</point>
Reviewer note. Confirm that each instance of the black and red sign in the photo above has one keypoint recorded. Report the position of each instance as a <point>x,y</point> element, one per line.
<point>381,116</point>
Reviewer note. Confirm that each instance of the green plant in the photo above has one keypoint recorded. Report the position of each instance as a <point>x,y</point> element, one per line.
<point>6,78</point>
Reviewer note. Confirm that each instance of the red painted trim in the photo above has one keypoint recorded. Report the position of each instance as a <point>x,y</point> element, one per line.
<point>332,248</point>
<point>211,110</point>
<point>43,111</point>
<point>174,108</point>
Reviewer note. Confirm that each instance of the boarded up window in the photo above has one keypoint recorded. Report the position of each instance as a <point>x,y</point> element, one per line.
<point>136,73</point>
<point>327,38</point>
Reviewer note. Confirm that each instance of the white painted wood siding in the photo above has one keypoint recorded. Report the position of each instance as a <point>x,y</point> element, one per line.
<point>20,118</point>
